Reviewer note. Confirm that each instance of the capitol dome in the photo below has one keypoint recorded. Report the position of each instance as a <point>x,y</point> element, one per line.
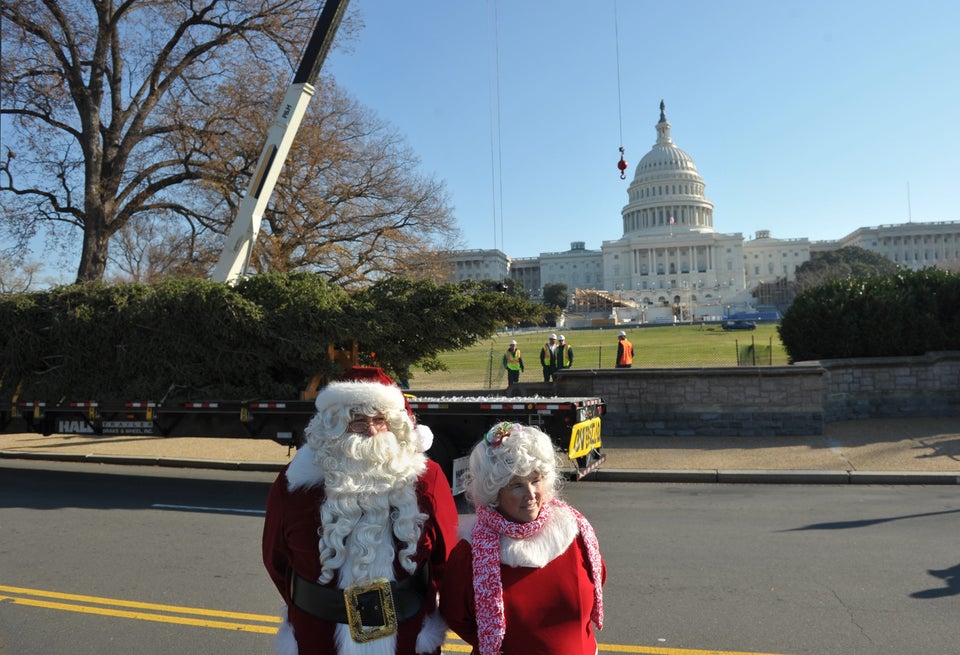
<point>666,194</point>
<point>665,156</point>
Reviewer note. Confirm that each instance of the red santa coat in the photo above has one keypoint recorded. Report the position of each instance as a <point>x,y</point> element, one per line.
<point>546,607</point>
<point>290,543</point>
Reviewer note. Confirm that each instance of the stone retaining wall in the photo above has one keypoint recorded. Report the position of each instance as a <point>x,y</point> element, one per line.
<point>888,387</point>
<point>777,400</point>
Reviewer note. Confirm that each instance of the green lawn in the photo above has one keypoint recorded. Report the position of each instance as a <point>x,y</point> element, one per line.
<point>683,346</point>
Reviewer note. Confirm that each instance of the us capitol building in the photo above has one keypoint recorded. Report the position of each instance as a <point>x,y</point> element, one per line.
<point>671,261</point>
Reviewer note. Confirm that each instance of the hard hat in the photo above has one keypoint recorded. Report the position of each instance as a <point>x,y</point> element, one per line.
<point>561,337</point>
<point>621,333</point>
<point>553,336</point>
<point>513,342</point>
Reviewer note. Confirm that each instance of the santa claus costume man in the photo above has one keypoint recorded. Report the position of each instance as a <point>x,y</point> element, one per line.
<point>358,529</point>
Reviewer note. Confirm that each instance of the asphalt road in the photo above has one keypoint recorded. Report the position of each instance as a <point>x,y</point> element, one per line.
<point>694,568</point>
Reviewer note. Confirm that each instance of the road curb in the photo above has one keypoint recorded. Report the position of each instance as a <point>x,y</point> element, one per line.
<point>903,477</point>
<point>702,476</point>
<point>143,460</point>
<point>776,476</point>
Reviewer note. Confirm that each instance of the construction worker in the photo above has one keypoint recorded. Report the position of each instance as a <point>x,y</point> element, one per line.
<point>513,362</point>
<point>564,353</point>
<point>548,358</point>
<point>624,351</point>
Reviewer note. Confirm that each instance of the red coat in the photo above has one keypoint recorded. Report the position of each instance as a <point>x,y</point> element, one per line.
<point>290,543</point>
<point>546,609</point>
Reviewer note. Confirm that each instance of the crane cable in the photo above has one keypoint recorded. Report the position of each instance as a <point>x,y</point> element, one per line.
<point>622,164</point>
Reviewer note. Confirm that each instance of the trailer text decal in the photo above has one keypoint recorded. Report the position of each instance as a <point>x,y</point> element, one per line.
<point>66,426</point>
<point>584,438</point>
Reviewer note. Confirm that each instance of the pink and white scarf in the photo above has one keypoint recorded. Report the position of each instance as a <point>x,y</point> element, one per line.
<point>487,583</point>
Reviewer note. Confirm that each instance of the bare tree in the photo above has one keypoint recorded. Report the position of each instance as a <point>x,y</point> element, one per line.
<point>147,249</point>
<point>15,279</point>
<point>140,123</point>
<point>349,203</point>
<point>115,106</point>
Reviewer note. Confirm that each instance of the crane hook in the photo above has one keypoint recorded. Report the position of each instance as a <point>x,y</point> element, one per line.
<point>622,165</point>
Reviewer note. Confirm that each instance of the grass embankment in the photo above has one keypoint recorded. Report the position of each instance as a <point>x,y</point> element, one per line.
<point>668,346</point>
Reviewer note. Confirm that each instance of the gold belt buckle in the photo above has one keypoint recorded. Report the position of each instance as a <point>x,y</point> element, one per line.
<point>351,598</point>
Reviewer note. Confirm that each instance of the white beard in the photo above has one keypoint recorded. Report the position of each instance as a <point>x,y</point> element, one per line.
<point>370,505</point>
<point>370,489</point>
<point>380,565</point>
<point>370,499</point>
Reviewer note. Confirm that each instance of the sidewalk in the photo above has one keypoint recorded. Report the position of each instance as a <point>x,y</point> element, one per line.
<point>888,451</point>
<point>894,451</point>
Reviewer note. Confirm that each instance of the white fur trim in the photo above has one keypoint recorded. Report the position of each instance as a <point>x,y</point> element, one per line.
<point>303,470</point>
<point>432,634</point>
<point>347,646</point>
<point>285,643</point>
<point>549,542</point>
<point>537,551</point>
<point>355,394</point>
<point>424,437</point>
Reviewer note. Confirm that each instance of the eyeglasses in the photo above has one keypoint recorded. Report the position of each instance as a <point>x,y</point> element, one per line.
<point>363,424</point>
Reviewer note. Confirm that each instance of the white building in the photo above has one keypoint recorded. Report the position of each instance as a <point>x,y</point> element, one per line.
<point>526,271</point>
<point>766,259</point>
<point>479,265</point>
<point>912,245</point>
<point>670,253</point>
<point>578,268</point>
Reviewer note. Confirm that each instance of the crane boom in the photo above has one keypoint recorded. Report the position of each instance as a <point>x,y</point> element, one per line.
<point>240,240</point>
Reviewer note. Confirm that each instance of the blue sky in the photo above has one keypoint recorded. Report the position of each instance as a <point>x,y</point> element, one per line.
<point>808,118</point>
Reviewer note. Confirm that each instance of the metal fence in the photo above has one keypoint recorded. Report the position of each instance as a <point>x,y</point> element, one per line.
<point>744,352</point>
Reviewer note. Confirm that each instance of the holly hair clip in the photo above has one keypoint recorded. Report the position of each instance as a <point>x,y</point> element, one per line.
<point>495,435</point>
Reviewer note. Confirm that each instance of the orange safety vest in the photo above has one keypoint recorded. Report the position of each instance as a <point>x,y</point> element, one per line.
<point>626,356</point>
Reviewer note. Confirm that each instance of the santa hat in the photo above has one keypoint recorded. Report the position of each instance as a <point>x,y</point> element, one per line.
<point>369,385</point>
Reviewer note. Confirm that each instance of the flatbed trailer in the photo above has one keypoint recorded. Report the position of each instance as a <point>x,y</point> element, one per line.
<point>457,422</point>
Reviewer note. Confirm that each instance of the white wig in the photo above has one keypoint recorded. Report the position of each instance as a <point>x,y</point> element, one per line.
<point>370,482</point>
<point>339,402</point>
<point>508,450</point>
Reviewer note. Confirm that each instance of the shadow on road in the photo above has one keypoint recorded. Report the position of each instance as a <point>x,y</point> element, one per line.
<point>950,576</point>
<point>863,523</point>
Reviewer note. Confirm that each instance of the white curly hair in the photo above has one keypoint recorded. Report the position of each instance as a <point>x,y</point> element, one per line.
<point>369,481</point>
<point>508,450</point>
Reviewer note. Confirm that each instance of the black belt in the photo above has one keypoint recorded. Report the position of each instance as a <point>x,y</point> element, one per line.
<point>378,603</point>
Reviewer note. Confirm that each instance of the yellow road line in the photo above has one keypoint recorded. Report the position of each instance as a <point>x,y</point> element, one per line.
<point>141,616</point>
<point>138,605</point>
<point>462,647</point>
<point>655,650</point>
<point>33,596</point>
